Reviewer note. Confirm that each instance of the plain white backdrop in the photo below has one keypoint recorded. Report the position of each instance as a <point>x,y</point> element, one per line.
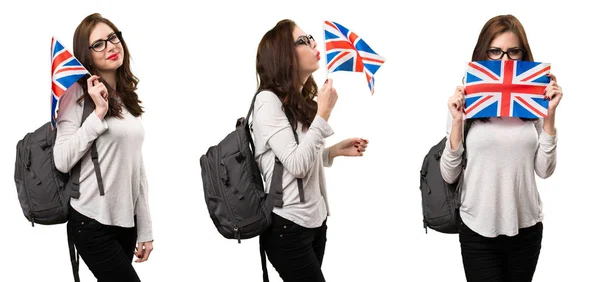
<point>196,64</point>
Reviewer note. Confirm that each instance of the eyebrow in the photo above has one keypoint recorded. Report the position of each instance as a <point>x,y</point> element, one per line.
<point>101,39</point>
<point>494,47</point>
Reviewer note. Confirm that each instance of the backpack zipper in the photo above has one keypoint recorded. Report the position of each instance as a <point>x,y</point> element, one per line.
<point>236,234</point>
<point>222,190</point>
<point>25,146</point>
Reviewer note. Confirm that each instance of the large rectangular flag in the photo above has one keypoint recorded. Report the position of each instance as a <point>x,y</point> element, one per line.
<point>66,70</point>
<point>506,89</point>
<point>346,51</point>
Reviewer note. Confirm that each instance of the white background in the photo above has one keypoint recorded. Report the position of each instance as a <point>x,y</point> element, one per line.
<point>196,65</point>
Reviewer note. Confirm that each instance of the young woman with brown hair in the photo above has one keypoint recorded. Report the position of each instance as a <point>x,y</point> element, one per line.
<point>105,222</point>
<point>501,210</point>
<point>285,61</point>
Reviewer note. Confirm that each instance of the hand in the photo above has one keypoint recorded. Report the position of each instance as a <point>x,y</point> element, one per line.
<point>326,99</point>
<point>456,103</point>
<point>352,147</point>
<point>99,95</point>
<point>142,251</point>
<point>553,93</point>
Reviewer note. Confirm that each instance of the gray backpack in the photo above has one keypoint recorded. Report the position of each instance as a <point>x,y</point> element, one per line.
<point>44,192</point>
<point>440,200</point>
<point>234,189</point>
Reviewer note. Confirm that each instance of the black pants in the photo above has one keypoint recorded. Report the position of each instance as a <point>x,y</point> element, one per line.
<point>503,258</point>
<point>106,250</point>
<point>294,251</point>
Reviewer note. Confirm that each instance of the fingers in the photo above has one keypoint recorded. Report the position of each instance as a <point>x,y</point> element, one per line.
<point>143,251</point>
<point>139,252</point>
<point>552,77</point>
<point>360,146</point>
<point>96,87</point>
<point>147,250</point>
<point>552,90</point>
<point>91,81</point>
<point>457,100</point>
<point>328,83</point>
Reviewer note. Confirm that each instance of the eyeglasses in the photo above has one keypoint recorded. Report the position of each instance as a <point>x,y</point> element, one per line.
<point>304,40</point>
<point>100,44</point>
<point>512,53</point>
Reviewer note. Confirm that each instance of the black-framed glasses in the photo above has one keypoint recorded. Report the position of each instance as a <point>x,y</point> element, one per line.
<point>304,40</point>
<point>512,53</point>
<point>100,44</point>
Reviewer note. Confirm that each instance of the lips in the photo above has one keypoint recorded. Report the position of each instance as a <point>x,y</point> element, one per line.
<point>113,57</point>
<point>318,55</point>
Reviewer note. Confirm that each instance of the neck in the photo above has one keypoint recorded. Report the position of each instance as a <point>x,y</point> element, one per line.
<point>303,79</point>
<point>111,78</point>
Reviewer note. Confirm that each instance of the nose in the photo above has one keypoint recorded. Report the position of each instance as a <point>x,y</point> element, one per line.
<point>110,46</point>
<point>505,57</point>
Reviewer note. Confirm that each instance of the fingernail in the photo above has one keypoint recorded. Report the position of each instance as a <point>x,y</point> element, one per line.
<point>326,80</point>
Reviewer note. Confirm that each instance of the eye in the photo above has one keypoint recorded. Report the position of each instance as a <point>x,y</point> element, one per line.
<point>98,45</point>
<point>112,37</point>
<point>514,51</point>
<point>302,40</point>
<point>495,51</point>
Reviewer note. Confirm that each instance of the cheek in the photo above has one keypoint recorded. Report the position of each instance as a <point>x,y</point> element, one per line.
<point>306,57</point>
<point>98,58</point>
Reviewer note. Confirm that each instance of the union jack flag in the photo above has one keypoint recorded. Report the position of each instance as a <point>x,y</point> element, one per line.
<point>346,51</point>
<point>506,89</point>
<point>66,70</point>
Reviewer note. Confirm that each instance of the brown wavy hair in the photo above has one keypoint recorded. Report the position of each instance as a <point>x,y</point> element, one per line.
<point>492,28</point>
<point>277,70</point>
<point>126,81</point>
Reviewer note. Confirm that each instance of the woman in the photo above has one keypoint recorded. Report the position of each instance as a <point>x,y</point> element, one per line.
<point>285,61</point>
<point>105,226</point>
<point>501,210</point>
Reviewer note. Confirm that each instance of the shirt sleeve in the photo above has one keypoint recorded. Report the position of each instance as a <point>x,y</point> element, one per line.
<point>142,209</point>
<point>451,160</point>
<point>73,141</point>
<point>545,156</point>
<point>271,125</point>
<point>327,162</point>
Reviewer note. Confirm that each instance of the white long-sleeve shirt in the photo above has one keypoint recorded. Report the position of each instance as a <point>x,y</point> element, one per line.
<point>119,143</point>
<point>274,137</point>
<point>500,194</point>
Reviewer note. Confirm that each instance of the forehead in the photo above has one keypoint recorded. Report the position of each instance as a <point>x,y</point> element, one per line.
<point>100,31</point>
<point>297,32</point>
<point>506,40</point>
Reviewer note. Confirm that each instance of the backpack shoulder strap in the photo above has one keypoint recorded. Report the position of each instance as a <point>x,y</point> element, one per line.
<point>88,108</point>
<point>276,189</point>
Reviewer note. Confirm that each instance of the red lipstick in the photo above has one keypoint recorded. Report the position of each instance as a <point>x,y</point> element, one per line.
<point>113,57</point>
